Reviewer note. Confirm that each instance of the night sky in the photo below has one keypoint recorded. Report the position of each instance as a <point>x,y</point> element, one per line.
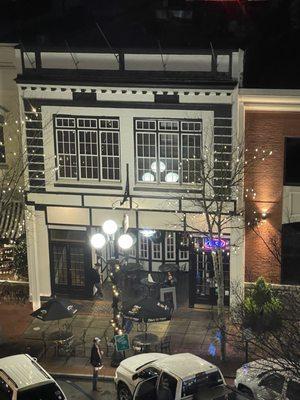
<point>268,31</point>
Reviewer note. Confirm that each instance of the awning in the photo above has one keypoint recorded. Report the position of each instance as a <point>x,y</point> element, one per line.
<point>12,224</point>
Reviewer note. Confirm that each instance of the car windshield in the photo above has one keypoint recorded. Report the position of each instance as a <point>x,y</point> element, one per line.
<point>49,391</point>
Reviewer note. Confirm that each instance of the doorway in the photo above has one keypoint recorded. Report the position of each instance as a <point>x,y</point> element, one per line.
<point>70,259</point>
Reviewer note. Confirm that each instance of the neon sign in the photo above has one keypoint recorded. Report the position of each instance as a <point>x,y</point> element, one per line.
<point>211,244</point>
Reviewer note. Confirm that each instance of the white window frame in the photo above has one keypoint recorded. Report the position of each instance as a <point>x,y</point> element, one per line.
<point>145,157</point>
<point>174,159</point>
<point>107,156</point>
<point>170,235</point>
<point>143,241</point>
<point>184,254</point>
<point>59,154</point>
<point>154,250</point>
<point>187,134</point>
<point>87,155</point>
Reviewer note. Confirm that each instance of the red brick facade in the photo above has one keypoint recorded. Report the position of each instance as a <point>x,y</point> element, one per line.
<point>266,130</point>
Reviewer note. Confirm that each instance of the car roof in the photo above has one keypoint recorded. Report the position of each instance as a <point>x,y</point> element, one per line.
<point>23,371</point>
<point>184,365</point>
<point>280,366</point>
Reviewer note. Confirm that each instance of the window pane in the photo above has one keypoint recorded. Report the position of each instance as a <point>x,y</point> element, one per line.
<point>66,153</point>
<point>170,243</point>
<point>190,153</point>
<point>292,161</point>
<point>88,154</point>
<point>146,156</point>
<point>143,247</point>
<point>168,156</point>
<point>110,155</point>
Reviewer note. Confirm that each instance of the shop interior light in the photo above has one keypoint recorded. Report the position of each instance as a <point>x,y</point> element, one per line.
<point>110,227</point>
<point>125,241</point>
<point>172,177</point>
<point>147,232</point>
<point>162,166</point>
<point>148,177</point>
<point>98,241</point>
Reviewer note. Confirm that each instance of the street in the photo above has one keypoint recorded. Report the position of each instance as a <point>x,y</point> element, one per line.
<point>76,389</point>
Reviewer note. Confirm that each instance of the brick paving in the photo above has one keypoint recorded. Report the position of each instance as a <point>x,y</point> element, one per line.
<point>191,330</point>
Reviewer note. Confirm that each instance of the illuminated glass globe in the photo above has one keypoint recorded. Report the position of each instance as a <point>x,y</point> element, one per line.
<point>162,166</point>
<point>148,177</point>
<point>125,241</point>
<point>172,177</point>
<point>147,232</point>
<point>98,241</point>
<point>110,227</point>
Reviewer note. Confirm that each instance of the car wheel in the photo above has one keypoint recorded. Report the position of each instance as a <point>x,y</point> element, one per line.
<point>246,391</point>
<point>124,393</point>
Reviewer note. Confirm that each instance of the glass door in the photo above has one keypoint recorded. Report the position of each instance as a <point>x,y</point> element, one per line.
<point>68,269</point>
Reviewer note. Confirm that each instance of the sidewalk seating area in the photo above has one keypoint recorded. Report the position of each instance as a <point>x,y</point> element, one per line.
<point>190,330</point>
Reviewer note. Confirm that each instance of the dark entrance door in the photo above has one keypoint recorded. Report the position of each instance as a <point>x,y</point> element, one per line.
<point>202,287</point>
<point>69,263</point>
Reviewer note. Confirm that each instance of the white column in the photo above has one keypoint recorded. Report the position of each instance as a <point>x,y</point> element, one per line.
<point>32,257</point>
<point>237,260</point>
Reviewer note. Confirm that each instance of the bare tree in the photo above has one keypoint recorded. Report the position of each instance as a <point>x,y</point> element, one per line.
<point>218,175</point>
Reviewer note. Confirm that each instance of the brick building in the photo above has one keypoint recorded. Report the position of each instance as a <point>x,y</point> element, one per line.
<point>271,121</point>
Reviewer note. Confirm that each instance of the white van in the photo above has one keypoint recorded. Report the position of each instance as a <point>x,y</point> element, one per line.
<point>22,378</point>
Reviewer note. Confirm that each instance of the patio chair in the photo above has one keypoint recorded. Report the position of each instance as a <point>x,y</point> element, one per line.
<point>165,345</point>
<point>66,349</point>
<point>110,347</point>
<point>80,342</point>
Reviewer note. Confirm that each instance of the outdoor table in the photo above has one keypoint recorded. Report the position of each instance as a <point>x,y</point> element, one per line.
<point>145,340</point>
<point>59,338</point>
<point>132,267</point>
<point>149,284</point>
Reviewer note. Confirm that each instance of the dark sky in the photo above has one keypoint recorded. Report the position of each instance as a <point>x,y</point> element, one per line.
<point>268,31</point>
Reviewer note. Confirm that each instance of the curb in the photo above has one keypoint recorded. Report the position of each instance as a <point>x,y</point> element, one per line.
<point>101,377</point>
<point>58,375</point>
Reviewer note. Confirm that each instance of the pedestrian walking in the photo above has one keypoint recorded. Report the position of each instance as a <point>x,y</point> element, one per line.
<point>95,280</point>
<point>96,361</point>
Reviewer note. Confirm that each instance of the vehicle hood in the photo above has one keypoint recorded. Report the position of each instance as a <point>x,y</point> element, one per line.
<point>132,364</point>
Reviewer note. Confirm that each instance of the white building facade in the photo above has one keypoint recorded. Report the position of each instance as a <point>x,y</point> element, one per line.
<point>112,134</point>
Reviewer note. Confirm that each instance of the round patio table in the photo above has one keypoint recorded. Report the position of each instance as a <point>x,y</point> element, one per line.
<point>132,267</point>
<point>145,341</point>
<point>60,336</point>
<point>168,267</point>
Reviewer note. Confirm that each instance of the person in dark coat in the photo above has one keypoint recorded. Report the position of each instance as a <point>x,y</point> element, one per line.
<point>95,281</point>
<point>96,361</point>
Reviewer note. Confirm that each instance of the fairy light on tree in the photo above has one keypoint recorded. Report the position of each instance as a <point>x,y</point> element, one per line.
<point>219,181</point>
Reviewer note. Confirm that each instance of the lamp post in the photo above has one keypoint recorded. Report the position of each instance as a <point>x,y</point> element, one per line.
<point>125,242</point>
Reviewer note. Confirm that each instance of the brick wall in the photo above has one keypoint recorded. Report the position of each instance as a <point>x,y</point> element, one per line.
<point>266,130</point>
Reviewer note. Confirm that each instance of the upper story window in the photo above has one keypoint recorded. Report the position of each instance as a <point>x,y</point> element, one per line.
<point>292,162</point>
<point>88,148</point>
<point>168,151</point>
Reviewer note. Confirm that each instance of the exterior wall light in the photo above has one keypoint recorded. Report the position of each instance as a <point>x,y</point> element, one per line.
<point>264,215</point>
<point>110,227</point>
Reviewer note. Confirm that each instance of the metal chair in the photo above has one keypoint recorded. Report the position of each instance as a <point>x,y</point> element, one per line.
<point>109,345</point>
<point>81,342</point>
<point>165,345</point>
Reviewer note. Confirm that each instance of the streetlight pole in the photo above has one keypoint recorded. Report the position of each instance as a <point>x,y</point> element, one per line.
<point>125,242</point>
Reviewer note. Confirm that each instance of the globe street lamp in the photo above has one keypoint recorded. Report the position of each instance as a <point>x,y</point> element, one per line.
<point>125,242</point>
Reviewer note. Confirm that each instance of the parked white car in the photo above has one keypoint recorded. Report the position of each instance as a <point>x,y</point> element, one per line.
<point>22,378</point>
<point>267,380</point>
<point>154,376</point>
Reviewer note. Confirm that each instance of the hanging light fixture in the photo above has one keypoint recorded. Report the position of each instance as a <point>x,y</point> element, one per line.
<point>148,177</point>
<point>125,241</point>
<point>171,177</point>
<point>110,227</point>
<point>162,166</point>
<point>98,241</point>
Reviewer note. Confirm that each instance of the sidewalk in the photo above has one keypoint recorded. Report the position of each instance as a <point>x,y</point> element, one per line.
<point>191,330</point>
